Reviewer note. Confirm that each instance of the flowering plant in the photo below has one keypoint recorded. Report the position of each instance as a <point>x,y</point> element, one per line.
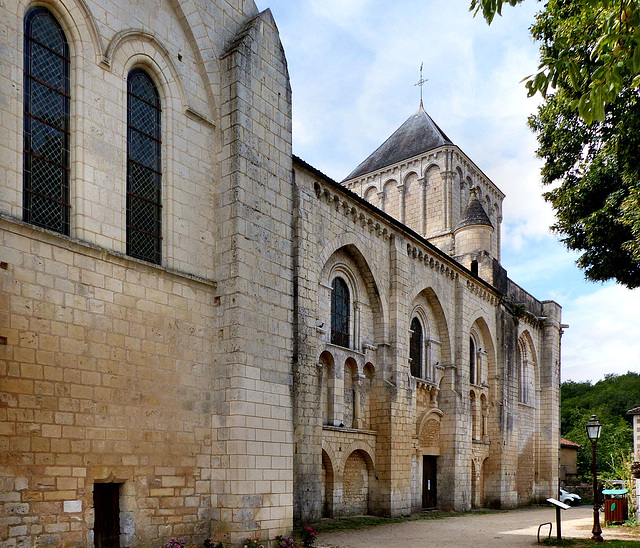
<point>208,543</point>
<point>174,543</point>
<point>251,542</point>
<point>284,542</point>
<point>308,537</point>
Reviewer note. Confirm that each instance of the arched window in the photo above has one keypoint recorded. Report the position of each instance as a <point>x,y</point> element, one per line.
<point>340,312</point>
<point>46,163</point>
<point>415,348</point>
<point>523,373</point>
<point>144,170</point>
<point>473,361</point>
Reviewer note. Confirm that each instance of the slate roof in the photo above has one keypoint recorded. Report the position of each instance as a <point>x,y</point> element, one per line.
<point>474,213</point>
<point>417,135</point>
<point>634,411</point>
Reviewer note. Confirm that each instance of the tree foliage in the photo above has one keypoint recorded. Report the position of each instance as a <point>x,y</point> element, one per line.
<point>596,74</point>
<point>588,128</point>
<point>609,400</point>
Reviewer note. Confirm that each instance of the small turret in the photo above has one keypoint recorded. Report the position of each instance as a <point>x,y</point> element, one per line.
<point>473,236</point>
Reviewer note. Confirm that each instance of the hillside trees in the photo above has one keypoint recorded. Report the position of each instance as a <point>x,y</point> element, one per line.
<point>609,399</point>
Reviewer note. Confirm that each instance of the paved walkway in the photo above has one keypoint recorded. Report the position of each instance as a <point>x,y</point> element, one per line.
<point>512,529</point>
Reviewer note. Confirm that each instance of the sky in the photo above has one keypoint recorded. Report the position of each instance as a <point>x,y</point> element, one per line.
<point>354,65</point>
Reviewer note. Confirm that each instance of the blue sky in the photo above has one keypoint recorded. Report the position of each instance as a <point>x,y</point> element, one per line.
<point>353,67</point>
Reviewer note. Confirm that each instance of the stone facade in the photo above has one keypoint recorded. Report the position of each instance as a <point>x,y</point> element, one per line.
<point>208,395</point>
<point>494,431</point>
<point>635,412</point>
<point>568,461</point>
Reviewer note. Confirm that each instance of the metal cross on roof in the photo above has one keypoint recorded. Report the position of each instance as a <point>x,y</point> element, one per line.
<point>421,83</point>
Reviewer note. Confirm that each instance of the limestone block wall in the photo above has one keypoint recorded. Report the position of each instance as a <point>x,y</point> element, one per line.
<point>527,453</point>
<point>217,457</point>
<point>107,376</point>
<point>350,459</point>
<point>473,238</point>
<point>549,352</point>
<point>106,40</point>
<point>254,263</point>
<point>329,239</point>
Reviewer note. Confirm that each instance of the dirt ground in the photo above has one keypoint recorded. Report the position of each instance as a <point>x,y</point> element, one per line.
<point>513,529</point>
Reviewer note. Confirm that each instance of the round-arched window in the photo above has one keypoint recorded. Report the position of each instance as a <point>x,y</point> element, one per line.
<point>340,312</point>
<point>415,348</point>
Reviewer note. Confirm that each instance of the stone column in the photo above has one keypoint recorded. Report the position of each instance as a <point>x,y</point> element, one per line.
<point>423,205</point>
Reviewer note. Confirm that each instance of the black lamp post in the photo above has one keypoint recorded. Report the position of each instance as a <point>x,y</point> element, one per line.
<point>593,431</point>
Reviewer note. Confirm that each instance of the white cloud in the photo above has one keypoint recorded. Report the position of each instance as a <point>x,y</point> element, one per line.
<point>603,334</point>
<point>339,12</point>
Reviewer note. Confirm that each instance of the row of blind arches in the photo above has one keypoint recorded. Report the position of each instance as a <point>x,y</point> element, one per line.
<point>47,136</point>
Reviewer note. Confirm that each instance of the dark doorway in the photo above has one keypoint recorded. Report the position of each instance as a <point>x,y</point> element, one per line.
<point>106,504</point>
<point>429,482</point>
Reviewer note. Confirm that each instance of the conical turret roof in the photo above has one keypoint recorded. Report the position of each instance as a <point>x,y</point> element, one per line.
<point>474,213</point>
<point>417,135</point>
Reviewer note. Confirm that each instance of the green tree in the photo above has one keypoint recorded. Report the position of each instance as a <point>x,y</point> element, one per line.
<point>609,399</point>
<point>614,444</point>
<point>588,128</point>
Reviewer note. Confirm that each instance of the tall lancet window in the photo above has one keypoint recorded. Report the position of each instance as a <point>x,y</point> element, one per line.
<point>46,162</point>
<point>415,348</point>
<point>473,361</point>
<point>144,170</point>
<point>340,312</point>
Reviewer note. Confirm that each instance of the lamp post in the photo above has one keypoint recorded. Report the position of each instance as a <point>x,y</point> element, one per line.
<point>593,431</point>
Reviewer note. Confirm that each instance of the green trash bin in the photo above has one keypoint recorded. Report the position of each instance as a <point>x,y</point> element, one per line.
<point>616,509</point>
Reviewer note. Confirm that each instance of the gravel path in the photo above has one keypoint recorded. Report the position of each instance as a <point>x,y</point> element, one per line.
<point>513,529</point>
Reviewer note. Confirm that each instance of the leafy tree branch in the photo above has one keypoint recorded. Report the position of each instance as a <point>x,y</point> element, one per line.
<point>588,128</point>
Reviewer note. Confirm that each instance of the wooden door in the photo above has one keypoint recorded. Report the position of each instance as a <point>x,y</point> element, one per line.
<point>429,481</point>
<point>106,504</point>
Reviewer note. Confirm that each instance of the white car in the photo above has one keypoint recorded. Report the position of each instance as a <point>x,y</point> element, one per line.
<point>569,498</point>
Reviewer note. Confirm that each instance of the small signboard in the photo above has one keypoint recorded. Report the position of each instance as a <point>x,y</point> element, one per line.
<point>559,504</point>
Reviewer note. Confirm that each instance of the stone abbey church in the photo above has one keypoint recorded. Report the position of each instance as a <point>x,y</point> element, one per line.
<point>204,336</point>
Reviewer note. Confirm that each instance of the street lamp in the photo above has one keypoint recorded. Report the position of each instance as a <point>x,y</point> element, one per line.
<point>593,431</point>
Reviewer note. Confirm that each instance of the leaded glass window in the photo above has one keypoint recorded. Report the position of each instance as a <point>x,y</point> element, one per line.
<point>472,361</point>
<point>340,312</point>
<point>144,207</point>
<point>46,122</point>
<point>415,348</point>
